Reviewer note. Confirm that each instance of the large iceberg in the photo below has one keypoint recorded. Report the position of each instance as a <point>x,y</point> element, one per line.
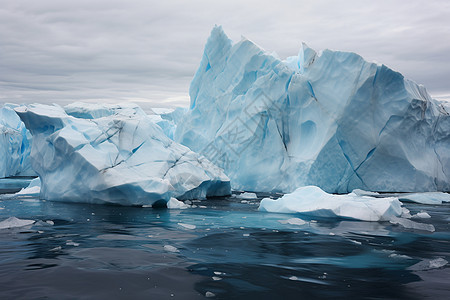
<point>329,119</point>
<point>15,144</point>
<point>122,158</point>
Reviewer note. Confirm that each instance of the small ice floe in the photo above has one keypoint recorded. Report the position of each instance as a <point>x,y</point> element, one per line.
<point>170,248</point>
<point>50,222</point>
<point>356,242</point>
<point>13,222</point>
<point>187,226</point>
<point>72,243</point>
<point>246,234</point>
<point>59,248</point>
<point>174,203</point>
<point>429,264</point>
<point>216,278</point>
<point>421,215</point>
<point>411,224</point>
<point>293,221</point>
<point>247,196</point>
<point>313,201</point>
<point>32,190</point>
<point>209,294</point>
<point>426,198</point>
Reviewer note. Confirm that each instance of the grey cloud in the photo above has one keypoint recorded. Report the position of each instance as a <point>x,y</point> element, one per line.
<point>148,51</point>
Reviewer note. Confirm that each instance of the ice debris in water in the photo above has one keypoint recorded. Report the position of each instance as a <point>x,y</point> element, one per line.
<point>170,248</point>
<point>428,264</point>
<point>13,222</point>
<point>422,215</point>
<point>293,221</point>
<point>247,196</point>
<point>187,226</point>
<point>311,200</point>
<point>408,224</point>
<point>426,198</point>
<point>174,203</point>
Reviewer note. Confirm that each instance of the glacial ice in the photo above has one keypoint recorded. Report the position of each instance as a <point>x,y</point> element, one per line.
<point>312,201</point>
<point>121,158</point>
<point>15,142</point>
<point>166,118</point>
<point>329,119</point>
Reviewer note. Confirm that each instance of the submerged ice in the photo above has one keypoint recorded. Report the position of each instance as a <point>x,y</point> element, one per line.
<point>329,119</point>
<point>120,157</point>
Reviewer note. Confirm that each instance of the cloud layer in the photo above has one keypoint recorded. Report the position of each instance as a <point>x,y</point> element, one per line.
<point>147,52</point>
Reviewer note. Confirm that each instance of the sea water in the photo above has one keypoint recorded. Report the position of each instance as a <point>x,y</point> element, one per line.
<point>220,248</point>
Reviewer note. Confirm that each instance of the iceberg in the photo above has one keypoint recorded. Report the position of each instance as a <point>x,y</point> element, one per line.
<point>328,118</point>
<point>313,201</point>
<point>120,158</point>
<point>166,118</point>
<point>15,144</point>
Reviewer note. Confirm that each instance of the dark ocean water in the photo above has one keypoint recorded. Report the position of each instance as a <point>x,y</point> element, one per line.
<point>223,249</point>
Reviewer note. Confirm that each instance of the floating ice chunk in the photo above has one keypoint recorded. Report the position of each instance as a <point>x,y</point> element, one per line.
<point>170,248</point>
<point>428,264</point>
<point>313,201</point>
<point>411,224</point>
<point>174,203</point>
<point>187,226</point>
<point>426,198</point>
<point>293,221</point>
<point>123,158</point>
<point>422,215</point>
<point>209,294</point>
<point>13,222</point>
<point>247,196</point>
<point>32,190</point>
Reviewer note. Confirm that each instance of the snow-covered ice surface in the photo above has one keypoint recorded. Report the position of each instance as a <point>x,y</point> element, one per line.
<point>15,144</point>
<point>332,120</point>
<point>122,158</point>
<point>312,201</point>
<point>166,118</point>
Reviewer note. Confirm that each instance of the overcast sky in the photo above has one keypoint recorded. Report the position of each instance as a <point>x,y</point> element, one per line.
<point>148,51</point>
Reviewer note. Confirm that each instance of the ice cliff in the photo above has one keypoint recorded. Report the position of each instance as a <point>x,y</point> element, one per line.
<point>15,141</point>
<point>329,119</point>
<point>120,157</point>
